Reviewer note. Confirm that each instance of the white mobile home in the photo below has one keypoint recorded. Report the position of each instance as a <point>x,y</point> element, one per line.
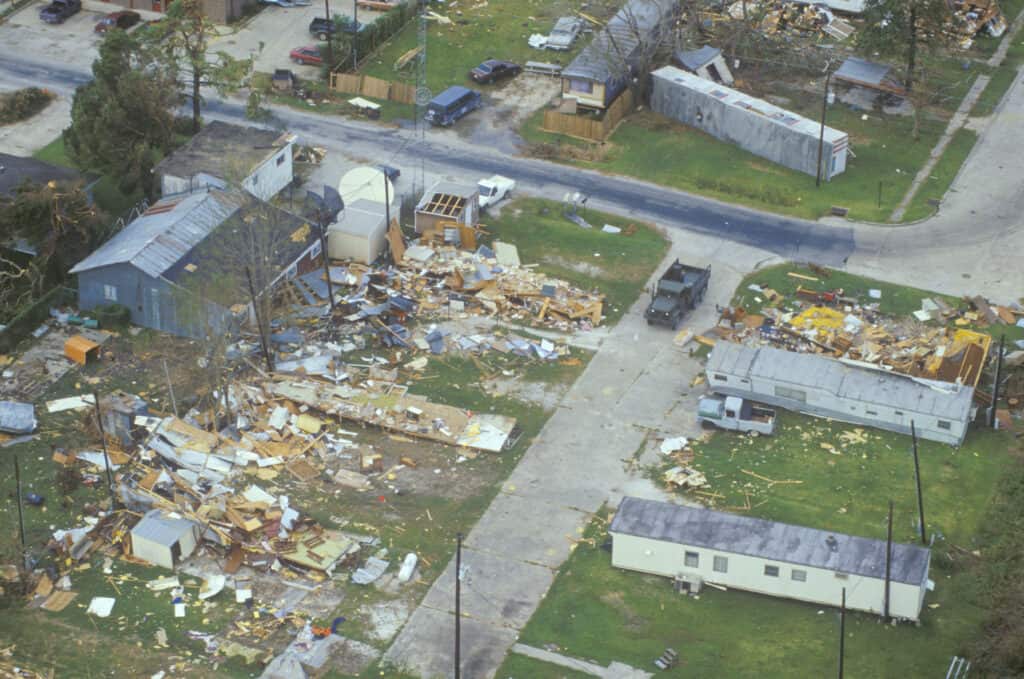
<point>754,125</point>
<point>767,557</point>
<point>818,385</point>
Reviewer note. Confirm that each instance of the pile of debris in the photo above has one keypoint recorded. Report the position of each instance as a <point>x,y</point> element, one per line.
<point>831,323</point>
<point>793,16</point>
<point>973,17</point>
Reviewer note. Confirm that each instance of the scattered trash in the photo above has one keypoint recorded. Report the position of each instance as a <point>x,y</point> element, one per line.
<point>101,606</point>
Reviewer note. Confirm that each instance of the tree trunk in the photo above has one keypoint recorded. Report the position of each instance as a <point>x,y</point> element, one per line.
<point>195,101</point>
<point>912,47</point>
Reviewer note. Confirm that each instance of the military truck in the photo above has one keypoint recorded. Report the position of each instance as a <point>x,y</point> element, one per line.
<point>680,289</point>
<point>735,414</point>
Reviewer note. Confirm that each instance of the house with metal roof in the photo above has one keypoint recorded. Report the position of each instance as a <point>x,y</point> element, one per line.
<point>842,390</point>
<point>180,266</point>
<point>164,539</point>
<point>222,154</point>
<point>697,546</point>
<point>603,69</point>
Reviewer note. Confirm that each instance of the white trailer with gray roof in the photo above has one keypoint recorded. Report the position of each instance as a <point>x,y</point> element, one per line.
<point>826,387</point>
<point>698,545</point>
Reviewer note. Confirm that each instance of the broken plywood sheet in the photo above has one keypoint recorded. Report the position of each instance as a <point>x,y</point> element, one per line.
<point>487,432</point>
<point>17,418</point>
<point>321,552</point>
<point>506,254</point>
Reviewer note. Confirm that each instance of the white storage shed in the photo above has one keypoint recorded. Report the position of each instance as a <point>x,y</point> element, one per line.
<point>700,545</point>
<point>360,234</point>
<point>164,539</point>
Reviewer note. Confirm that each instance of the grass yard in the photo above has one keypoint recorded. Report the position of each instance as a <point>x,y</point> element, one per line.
<point>497,30</point>
<point>618,265</point>
<point>522,667</point>
<point>943,174</point>
<point>596,612</point>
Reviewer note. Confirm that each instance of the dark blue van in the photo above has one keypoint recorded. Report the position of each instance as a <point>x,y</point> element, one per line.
<point>452,104</point>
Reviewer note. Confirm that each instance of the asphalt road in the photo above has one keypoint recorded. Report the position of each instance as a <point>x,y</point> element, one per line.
<point>787,238</point>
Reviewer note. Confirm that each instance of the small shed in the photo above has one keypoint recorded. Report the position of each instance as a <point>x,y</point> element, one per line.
<point>447,201</point>
<point>870,75</point>
<point>706,62</point>
<point>360,233</point>
<point>164,539</point>
<point>80,349</point>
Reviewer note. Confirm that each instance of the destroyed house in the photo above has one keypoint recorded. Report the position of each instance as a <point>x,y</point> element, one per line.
<point>697,546</point>
<point>180,266</point>
<point>447,202</point>
<point>260,161</point>
<point>754,125</point>
<point>842,390</point>
<point>603,69</point>
<point>870,75</point>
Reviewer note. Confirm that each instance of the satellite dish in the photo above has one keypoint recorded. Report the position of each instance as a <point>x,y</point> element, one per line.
<point>366,183</point>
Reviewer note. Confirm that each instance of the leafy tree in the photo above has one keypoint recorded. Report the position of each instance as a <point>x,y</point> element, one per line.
<point>122,121</point>
<point>903,28</point>
<point>62,225</point>
<point>182,40</point>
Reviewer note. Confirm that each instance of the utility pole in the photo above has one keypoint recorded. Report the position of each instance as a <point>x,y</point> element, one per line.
<point>355,35</point>
<point>917,479</point>
<point>323,256</point>
<point>21,515</point>
<point>330,45</point>
<point>888,564</point>
<point>170,388</point>
<point>259,322</point>
<point>842,632</point>
<point>995,384</point>
<point>824,111</point>
<point>103,442</point>
<point>458,603</point>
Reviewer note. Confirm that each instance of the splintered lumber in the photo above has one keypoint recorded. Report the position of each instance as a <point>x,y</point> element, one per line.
<point>793,274</point>
<point>770,482</point>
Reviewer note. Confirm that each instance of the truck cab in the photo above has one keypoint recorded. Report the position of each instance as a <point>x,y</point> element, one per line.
<point>680,289</point>
<point>735,414</point>
<point>494,189</point>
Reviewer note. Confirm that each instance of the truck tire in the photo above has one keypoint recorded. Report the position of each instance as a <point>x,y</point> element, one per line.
<point>321,36</point>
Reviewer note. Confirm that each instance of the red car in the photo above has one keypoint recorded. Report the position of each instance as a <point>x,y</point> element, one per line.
<point>306,56</point>
<point>122,20</point>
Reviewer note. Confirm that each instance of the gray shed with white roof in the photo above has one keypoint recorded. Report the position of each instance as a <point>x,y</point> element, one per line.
<point>164,539</point>
<point>817,385</point>
<point>699,545</point>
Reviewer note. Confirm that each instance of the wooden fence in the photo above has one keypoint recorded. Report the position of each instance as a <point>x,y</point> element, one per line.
<point>586,126</point>
<point>368,86</point>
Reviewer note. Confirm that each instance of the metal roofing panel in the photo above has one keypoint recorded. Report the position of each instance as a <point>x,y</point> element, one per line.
<point>166,232</point>
<point>770,540</point>
<point>694,59</point>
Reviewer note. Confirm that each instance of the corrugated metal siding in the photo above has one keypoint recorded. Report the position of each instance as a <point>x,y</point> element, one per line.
<point>170,229</point>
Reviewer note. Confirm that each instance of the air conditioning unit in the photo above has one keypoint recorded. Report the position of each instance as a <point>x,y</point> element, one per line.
<point>688,583</point>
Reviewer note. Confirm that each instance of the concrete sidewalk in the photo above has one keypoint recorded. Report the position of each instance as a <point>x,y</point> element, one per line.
<point>636,384</point>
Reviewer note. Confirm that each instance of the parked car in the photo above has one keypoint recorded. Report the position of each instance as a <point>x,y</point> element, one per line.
<point>493,70</point>
<point>307,56</point>
<point>564,34</point>
<point>123,20</point>
<point>452,104</point>
<point>321,27</point>
<point>59,10</point>
<point>494,189</point>
<point>288,3</point>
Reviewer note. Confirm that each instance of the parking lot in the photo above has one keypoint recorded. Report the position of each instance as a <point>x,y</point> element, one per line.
<point>280,30</point>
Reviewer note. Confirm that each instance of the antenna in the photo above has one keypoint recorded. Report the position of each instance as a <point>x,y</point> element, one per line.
<point>888,563</point>
<point>917,479</point>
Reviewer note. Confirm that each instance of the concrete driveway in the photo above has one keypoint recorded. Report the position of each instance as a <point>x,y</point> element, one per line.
<point>280,30</point>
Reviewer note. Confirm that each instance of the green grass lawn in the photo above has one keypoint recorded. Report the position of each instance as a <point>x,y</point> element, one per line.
<point>594,611</point>
<point>496,30</point>
<point>522,667</point>
<point>942,175</point>
<point>618,265</point>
